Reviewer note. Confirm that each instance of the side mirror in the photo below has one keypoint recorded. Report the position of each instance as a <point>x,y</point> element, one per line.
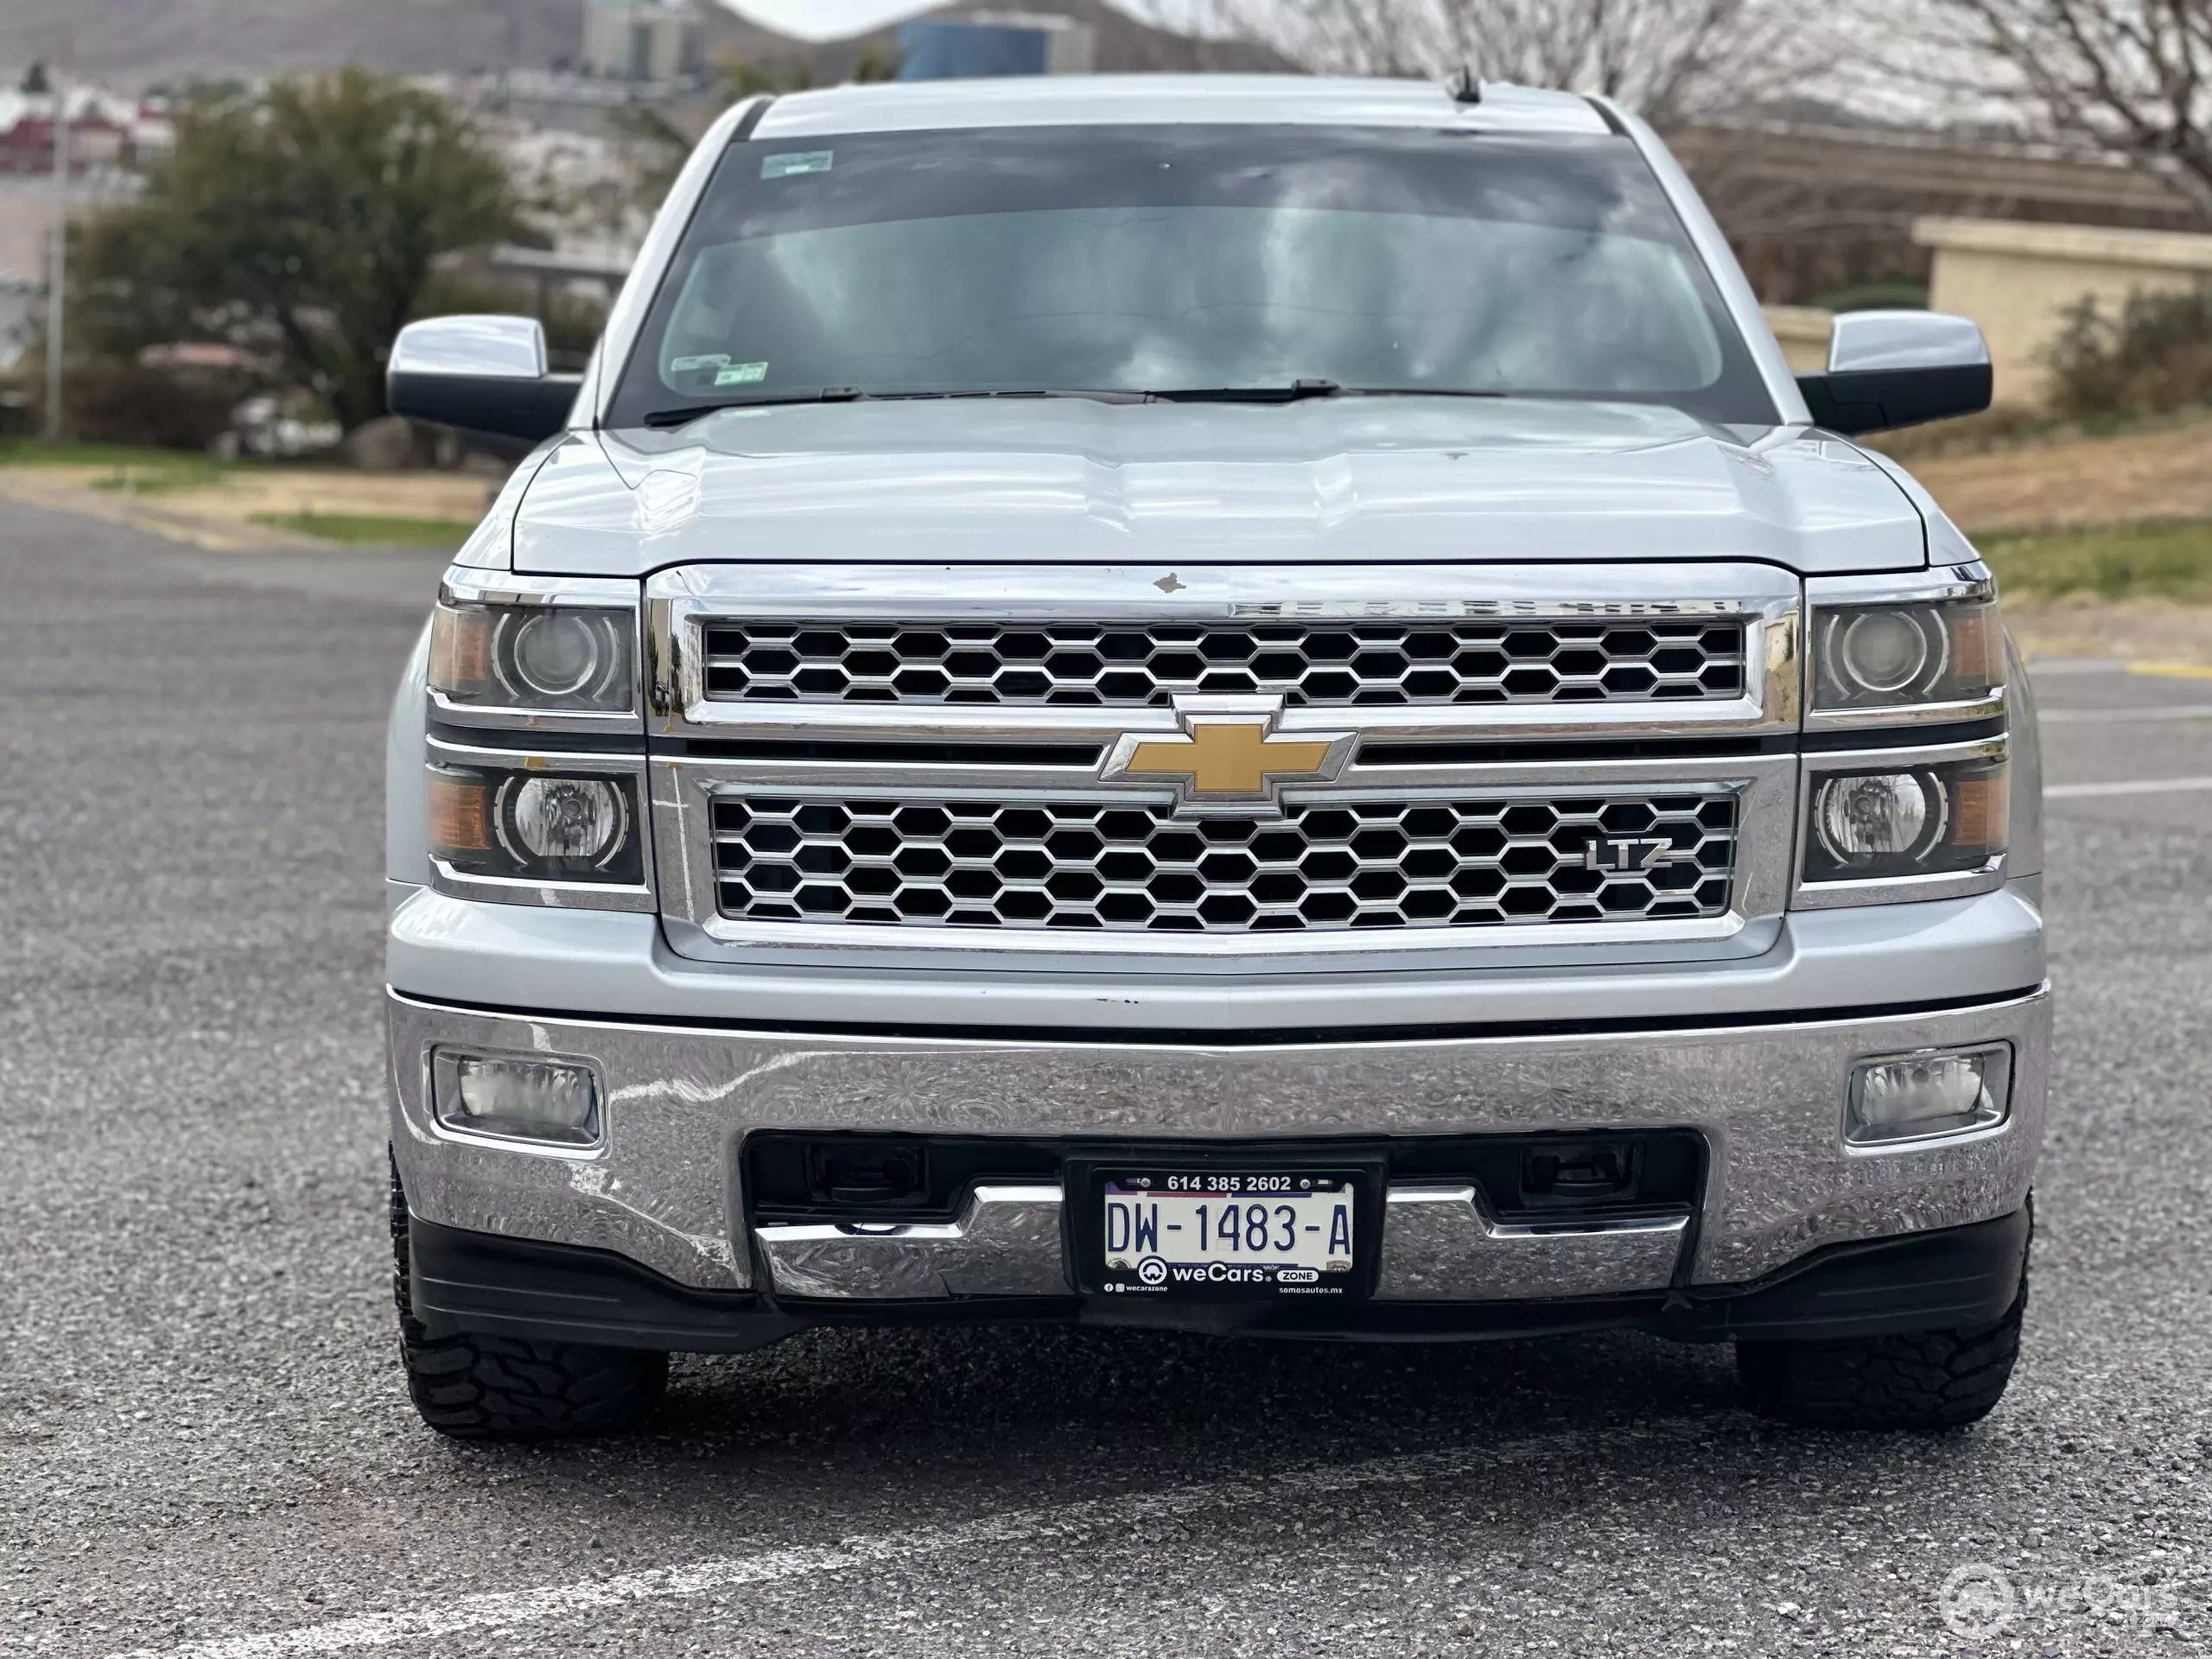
<point>485,374</point>
<point>1898,368</point>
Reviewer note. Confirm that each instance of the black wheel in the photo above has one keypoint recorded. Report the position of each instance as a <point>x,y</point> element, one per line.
<point>1924,1379</point>
<point>483,1387</point>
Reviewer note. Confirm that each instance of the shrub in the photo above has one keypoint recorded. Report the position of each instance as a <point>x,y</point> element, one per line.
<point>104,401</point>
<point>2153,356</point>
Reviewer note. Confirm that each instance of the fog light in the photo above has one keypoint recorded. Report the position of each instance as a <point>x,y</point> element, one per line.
<point>528,1100</point>
<point>1935,1092</point>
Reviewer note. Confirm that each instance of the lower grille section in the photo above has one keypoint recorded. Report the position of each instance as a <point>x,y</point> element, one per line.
<point>1137,868</point>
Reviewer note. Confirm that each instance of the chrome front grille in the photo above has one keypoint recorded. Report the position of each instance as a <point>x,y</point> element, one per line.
<point>1310,664</point>
<point>1221,769</point>
<point>1324,865</point>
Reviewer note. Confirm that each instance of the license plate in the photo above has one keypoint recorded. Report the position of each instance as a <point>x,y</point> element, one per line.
<point>1230,1232</point>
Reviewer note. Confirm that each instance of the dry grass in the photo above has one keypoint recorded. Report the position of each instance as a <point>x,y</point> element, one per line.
<point>244,494</point>
<point>372,529</point>
<point>2162,473</point>
<point>246,505</point>
<point>2132,632</point>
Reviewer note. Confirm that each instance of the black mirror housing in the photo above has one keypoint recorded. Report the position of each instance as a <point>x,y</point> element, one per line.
<point>502,405</point>
<point>1880,400</point>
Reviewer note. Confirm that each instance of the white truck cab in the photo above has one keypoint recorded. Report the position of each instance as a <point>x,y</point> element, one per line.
<point>1247,704</point>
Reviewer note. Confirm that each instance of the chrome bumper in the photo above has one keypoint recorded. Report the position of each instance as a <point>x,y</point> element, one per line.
<point>664,1190</point>
<point>1438,1245</point>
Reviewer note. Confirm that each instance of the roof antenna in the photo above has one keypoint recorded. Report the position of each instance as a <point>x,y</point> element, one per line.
<point>1466,86</point>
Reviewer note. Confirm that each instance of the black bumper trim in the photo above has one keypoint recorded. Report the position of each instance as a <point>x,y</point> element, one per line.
<point>1955,1278</point>
<point>1952,1278</point>
<point>505,1287</point>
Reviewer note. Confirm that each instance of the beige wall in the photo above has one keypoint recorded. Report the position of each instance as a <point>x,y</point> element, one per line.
<point>1802,333</point>
<point>2018,280</point>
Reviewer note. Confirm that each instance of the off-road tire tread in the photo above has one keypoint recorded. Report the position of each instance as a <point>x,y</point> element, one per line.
<point>479,1387</point>
<point>1919,1380</point>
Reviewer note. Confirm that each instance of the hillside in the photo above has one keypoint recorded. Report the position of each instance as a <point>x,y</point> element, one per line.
<point>135,42</point>
<point>1125,46</point>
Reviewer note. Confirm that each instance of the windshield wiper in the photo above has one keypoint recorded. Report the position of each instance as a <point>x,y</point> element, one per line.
<point>1292,392</point>
<point>1299,391</point>
<point>1421,392</point>
<point>1295,391</point>
<point>667,418</point>
<point>763,400</point>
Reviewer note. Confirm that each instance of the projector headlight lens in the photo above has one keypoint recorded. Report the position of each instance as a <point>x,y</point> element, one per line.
<point>1937,1092</point>
<point>1883,651</point>
<point>558,654</point>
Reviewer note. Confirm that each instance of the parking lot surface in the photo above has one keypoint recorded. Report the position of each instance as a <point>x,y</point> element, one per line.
<point>206,1448</point>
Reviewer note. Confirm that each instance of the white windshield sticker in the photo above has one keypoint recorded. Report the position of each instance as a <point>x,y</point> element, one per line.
<point>787,167</point>
<point>741,374</point>
<point>715,360</point>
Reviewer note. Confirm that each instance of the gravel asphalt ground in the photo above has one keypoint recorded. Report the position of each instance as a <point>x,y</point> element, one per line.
<point>205,1448</point>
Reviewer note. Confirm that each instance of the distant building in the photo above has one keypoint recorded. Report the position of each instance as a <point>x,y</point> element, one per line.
<point>1814,208</point>
<point>106,132</point>
<point>972,44</point>
<point>641,40</point>
<point>111,136</point>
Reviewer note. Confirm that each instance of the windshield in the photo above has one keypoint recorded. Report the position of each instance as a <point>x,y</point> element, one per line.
<point>1174,259</point>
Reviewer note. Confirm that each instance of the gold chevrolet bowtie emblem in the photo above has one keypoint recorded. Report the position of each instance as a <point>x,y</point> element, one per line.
<point>1230,758</point>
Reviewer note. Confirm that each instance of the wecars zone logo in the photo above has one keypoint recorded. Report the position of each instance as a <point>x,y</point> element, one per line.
<point>1219,1273</point>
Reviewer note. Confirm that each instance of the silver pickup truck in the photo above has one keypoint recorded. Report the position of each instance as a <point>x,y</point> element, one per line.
<point>1255,706</point>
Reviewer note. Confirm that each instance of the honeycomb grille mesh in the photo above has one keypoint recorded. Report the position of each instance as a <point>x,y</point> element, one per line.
<point>1312,664</point>
<point>1093,865</point>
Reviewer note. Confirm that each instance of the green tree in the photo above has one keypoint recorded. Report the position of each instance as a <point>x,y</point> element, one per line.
<point>307,221</point>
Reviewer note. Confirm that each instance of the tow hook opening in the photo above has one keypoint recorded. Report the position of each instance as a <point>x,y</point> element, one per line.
<point>870,1173</point>
<point>1558,1173</point>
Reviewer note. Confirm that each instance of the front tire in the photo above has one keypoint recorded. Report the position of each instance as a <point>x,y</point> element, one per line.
<point>475,1387</point>
<point>1918,1380</point>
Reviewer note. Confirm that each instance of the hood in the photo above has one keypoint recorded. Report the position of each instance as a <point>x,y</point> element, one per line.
<point>1345,480</point>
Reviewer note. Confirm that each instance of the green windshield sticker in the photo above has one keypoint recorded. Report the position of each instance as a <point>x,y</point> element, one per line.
<point>787,167</point>
<point>714,360</point>
<point>741,374</point>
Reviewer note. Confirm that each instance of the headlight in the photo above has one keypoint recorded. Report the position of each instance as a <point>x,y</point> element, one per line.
<point>536,826</point>
<point>562,659</point>
<point>1895,822</point>
<point>1898,654</point>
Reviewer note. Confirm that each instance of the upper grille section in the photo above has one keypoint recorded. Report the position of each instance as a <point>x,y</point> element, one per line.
<point>1308,663</point>
<point>1326,865</point>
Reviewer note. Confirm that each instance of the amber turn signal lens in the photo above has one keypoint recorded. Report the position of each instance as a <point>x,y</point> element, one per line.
<point>1980,811</point>
<point>1977,653</point>
<point>460,815</point>
<point>461,650</point>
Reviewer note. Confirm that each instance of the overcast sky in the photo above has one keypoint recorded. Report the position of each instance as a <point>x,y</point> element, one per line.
<point>827,20</point>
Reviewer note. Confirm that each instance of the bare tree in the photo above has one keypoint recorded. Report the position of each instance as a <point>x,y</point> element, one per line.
<point>2131,78</point>
<point>1669,59</point>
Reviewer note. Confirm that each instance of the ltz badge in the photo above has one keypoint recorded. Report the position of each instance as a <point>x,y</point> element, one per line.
<point>1620,854</point>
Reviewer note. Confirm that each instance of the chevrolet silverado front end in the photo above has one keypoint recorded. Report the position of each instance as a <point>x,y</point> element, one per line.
<point>1253,705</point>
